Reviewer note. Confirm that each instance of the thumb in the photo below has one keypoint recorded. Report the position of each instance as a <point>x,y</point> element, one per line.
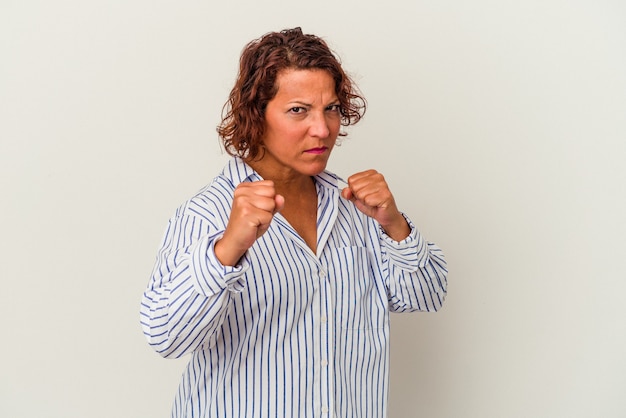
<point>280,203</point>
<point>347,194</point>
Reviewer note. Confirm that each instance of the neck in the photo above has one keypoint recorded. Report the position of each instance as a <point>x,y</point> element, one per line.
<point>287,182</point>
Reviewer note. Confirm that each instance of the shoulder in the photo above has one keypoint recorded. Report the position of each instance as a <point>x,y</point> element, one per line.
<point>214,200</point>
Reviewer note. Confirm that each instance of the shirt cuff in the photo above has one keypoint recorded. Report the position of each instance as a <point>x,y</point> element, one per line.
<point>409,254</point>
<point>209,275</point>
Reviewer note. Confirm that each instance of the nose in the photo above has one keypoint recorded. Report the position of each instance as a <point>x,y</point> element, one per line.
<point>319,126</point>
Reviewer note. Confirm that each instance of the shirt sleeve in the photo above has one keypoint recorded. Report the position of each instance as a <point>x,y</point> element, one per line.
<point>189,292</point>
<point>417,272</point>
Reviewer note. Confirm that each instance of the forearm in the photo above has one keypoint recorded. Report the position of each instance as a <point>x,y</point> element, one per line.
<point>177,320</point>
<point>189,292</point>
<point>417,273</point>
<point>398,229</point>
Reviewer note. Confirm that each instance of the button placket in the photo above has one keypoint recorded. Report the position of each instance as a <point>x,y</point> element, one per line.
<point>327,341</point>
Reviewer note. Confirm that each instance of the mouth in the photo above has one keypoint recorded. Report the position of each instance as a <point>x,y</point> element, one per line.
<point>316,151</point>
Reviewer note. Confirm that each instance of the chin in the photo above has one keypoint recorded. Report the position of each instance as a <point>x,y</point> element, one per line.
<point>315,169</point>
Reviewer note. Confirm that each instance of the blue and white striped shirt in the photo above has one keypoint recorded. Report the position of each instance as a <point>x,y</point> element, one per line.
<point>286,333</point>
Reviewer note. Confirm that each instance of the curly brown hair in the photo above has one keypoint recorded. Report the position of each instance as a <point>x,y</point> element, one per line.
<point>242,126</point>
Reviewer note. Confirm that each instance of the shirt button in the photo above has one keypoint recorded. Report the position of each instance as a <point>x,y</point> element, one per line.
<point>323,319</point>
<point>324,363</point>
<point>322,274</point>
<point>324,410</point>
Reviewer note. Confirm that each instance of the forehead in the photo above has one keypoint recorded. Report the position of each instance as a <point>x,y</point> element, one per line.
<point>308,82</point>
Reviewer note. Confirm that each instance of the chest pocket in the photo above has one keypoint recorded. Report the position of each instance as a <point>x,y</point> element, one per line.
<point>356,292</point>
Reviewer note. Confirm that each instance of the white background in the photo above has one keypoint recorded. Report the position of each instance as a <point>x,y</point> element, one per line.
<point>500,125</point>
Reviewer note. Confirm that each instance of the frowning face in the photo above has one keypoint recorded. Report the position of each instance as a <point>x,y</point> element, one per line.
<point>302,122</point>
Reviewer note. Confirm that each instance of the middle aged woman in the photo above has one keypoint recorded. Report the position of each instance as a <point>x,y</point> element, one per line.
<point>278,281</point>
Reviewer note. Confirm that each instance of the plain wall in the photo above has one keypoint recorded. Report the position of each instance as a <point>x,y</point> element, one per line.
<point>500,126</point>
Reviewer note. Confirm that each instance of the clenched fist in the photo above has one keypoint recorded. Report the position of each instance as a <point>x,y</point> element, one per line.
<point>371,195</point>
<point>254,207</point>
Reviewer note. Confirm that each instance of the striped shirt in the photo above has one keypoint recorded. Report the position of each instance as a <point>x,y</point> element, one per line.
<point>286,333</point>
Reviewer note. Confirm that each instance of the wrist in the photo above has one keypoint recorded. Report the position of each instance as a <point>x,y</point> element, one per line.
<point>398,229</point>
<point>226,254</point>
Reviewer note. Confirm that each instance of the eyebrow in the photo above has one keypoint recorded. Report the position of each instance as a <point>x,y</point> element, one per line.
<point>298,102</point>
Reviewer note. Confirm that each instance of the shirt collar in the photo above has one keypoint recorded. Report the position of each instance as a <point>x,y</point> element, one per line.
<point>237,171</point>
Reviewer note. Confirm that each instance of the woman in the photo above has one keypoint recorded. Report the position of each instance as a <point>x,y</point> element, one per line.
<point>275,279</point>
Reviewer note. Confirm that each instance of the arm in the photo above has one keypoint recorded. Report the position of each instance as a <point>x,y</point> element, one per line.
<point>201,264</point>
<point>416,271</point>
<point>417,279</point>
<point>189,292</point>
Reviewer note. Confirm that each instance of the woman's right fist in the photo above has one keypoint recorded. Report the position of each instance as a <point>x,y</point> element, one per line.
<point>254,207</point>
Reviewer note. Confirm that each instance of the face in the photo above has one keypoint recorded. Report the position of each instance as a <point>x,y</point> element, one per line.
<point>301,125</point>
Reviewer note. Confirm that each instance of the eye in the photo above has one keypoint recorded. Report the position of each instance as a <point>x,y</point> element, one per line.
<point>333,108</point>
<point>297,110</point>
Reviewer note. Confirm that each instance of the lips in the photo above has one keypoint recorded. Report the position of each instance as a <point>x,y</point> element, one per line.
<point>319,150</point>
